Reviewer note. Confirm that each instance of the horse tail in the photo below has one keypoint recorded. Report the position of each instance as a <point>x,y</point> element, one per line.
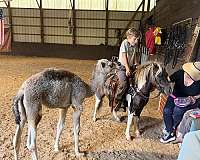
<point>18,99</point>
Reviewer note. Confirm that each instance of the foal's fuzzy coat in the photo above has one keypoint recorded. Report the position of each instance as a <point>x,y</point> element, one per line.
<point>56,89</point>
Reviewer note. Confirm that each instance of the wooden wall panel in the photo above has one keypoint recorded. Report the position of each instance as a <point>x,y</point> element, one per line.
<point>171,11</point>
<point>26,29</point>
<point>90,32</point>
<point>26,38</point>
<point>26,21</point>
<point>56,31</point>
<point>123,15</point>
<point>91,14</point>
<point>58,39</point>
<point>90,41</point>
<point>26,12</point>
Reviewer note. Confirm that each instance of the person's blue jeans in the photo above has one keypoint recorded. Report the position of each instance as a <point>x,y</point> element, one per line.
<point>173,114</point>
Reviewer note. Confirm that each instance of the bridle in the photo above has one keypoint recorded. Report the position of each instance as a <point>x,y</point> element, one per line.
<point>136,90</point>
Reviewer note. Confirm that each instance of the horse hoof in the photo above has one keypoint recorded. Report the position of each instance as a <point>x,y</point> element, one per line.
<point>94,119</point>
<point>56,150</point>
<point>27,147</point>
<point>137,135</point>
<point>31,148</point>
<point>79,154</point>
<point>117,119</point>
<point>128,138</point>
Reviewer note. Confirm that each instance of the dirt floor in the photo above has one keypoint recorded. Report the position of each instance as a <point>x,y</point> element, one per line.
<point>104,139</point>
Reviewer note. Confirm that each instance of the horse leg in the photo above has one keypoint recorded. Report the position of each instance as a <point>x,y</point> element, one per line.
<point>129,124</point>
<point>130,118</point>
<point>33,117</point>
<point>28,143</point>
<point>38,118</point>
<point>19,128</point>
<point>97,105</point>
<point>136,126</point>
<point>76,129</point>
<point>60,126</point>
<point>115,115</point>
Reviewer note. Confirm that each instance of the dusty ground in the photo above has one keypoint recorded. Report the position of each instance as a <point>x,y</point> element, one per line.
<point>101,140</point>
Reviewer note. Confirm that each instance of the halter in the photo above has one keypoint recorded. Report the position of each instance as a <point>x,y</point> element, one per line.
<point>137,91</point>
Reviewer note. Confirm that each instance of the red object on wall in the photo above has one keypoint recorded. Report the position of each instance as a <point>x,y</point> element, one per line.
<point>150,41</point>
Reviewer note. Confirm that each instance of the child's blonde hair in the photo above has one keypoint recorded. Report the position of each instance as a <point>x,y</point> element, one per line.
<point>133,32</point>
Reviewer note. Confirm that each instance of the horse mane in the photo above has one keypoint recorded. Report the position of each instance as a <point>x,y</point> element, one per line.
<point>144,71</point>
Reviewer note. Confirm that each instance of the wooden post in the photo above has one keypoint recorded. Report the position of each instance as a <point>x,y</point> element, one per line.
<point>74,23</point>
<point>142,16</point>
<point>192,44</point>
<point>10,21</point>
<point>41,22</point>
<point>106,27</point>
<point>143,7</point>
<point>148,5</point>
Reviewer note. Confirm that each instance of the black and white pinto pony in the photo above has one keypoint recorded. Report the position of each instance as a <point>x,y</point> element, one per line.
<point>147,77</point>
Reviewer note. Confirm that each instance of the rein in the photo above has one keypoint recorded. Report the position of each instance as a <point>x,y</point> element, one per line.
<point>137,91</point>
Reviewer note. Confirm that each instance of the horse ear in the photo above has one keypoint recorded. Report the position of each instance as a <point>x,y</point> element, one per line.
<point>103,64</point>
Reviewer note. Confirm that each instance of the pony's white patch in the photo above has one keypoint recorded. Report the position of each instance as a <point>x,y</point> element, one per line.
<point>128,98</point>
<point>129,124</point>
<point>142,77</point>
<point>143,73</point>
<point>97,103</point>
<point>130,118</point>
<point>159,70</point>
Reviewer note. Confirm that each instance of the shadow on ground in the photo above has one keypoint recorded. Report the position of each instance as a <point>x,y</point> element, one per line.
<point>145,122</point>
<point>129,155</point>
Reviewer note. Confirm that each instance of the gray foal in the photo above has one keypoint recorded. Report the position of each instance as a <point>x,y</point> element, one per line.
<point>55,89</point>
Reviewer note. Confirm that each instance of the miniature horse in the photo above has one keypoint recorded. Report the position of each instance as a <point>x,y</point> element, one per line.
<point>146,77</point>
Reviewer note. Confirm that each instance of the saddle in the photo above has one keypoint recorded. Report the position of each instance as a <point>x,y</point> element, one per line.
<point>111,84</point>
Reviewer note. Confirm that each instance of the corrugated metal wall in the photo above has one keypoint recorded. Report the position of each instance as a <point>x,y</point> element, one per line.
<point>90,25</point>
